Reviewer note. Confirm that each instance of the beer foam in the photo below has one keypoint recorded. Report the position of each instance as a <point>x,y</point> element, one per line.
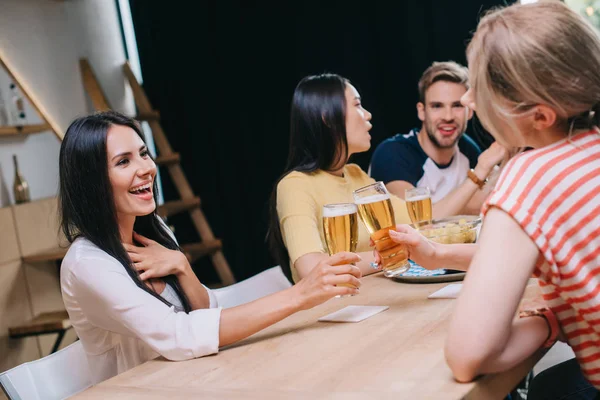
<point>417,198</point>
<point>372,199</point>
<point>339,210</point>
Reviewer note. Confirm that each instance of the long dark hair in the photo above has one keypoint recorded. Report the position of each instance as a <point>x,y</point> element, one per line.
<point>317,142</point>
<point>86,202</point>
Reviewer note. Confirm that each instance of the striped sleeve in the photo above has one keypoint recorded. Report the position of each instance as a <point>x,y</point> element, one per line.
<point>517,193</point>
<point>553,193</point>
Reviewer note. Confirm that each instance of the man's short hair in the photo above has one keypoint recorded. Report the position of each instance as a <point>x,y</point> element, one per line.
<point>447,71</point>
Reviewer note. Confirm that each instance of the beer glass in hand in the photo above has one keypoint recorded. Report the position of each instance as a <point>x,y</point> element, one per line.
<point>418,202</point>
<point>340,228</point>
<point>375,210</point>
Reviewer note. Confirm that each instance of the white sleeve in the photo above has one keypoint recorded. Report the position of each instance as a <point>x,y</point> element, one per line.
<point>214,303</point>
<point>111,300</point>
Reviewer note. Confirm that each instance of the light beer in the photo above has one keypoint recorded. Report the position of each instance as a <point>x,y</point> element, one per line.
<point>340,228</point>
<point>419,210</point>
<point>376,211</point>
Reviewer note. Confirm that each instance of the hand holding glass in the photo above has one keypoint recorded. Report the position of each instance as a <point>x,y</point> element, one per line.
<point>376,212</point>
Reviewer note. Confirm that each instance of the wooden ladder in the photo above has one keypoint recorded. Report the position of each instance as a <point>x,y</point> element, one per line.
<point>209,245</point>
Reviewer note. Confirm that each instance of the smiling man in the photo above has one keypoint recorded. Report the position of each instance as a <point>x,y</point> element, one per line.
<point>440,155</point>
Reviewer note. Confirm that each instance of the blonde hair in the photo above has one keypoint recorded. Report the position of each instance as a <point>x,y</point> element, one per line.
<point>447,71</point>
<point>529,54</point>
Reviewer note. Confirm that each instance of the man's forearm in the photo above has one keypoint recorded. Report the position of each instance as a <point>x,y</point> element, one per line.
<point>461,199</point>
<point>455,201</point>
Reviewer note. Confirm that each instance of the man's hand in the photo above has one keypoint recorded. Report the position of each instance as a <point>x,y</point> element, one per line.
<point>487,160</point>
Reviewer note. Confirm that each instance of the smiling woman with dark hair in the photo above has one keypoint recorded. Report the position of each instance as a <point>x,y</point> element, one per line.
<point>87,191</point>
<point>130,292</point>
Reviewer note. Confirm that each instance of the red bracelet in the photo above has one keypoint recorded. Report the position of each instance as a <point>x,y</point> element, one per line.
<point>551,320</point>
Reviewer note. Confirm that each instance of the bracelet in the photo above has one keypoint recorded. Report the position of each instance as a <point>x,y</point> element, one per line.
<point>473,176</point>
<point>551,321</point>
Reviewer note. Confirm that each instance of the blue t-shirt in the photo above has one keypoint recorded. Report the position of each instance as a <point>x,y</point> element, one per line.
<point>401,158</point>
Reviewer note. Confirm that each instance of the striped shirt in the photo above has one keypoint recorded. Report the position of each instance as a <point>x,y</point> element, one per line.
<point>554,194</point>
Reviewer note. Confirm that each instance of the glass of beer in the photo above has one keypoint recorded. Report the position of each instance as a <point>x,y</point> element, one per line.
<point>375,210</point>
<point>418,202</point>
<point>340,228</point>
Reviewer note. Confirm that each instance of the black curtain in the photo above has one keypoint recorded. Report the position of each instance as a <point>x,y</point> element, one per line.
<point>222,74</point>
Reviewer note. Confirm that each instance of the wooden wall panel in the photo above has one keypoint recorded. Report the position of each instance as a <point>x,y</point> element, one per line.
<point>15,308</point>
<point>27,289</point>
<point>44,286</point>
<point>9,246</point>
<point>37,226</point>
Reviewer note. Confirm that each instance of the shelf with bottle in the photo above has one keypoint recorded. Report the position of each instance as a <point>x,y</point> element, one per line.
<point>13,118</point>
<point>36,226</point>
<point>29,229</point>
<point>21,112</point>
<point>24,129</point>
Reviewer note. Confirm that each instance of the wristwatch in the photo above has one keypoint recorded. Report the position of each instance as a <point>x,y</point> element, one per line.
<point>551,320</point>
<point>473,176</point>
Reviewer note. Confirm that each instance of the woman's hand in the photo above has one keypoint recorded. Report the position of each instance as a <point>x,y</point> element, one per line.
<point>154,260</point>
<point>321,284</point>
<point>420,249</point>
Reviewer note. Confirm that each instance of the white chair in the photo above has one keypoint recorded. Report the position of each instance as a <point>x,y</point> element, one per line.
<point>558,353</point>
<point>57,376</point>
<point>267,282</point>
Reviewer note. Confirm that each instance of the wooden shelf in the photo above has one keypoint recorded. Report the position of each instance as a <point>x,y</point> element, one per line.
<point>168,159</point>
<point>177,206</point>
<point>24,129</point>
<point>149,116</point>
<point>48,255</point>
<point>47,322</point>
<point>194,251</point>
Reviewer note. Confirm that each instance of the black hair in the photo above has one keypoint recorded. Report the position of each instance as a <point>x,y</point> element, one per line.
<point>317,142</point>
<point>86,204</point>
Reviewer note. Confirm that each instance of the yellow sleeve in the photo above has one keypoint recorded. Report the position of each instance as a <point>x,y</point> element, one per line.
<point>399,205</point>
<point>298,217</point>
<point>400,210</point>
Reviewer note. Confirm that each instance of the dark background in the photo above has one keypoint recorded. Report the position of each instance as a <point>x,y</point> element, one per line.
<point>222,74</point>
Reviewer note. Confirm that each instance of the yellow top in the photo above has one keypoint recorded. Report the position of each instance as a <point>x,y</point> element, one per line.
<point>300,200</point>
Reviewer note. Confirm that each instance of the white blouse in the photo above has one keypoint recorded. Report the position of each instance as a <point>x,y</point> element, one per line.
<point>170,295</point>
<point>120,325</point>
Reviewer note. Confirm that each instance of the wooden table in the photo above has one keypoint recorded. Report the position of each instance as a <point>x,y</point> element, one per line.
<point>395,354</point>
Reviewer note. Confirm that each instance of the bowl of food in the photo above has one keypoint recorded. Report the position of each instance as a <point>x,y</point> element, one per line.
<point>456,229</point>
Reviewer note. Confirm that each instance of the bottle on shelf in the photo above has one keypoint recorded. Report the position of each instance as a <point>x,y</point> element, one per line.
<point>20,186</point>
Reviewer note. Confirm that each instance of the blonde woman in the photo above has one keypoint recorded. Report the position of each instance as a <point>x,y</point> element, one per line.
<point>535,75</point>
<point>535,82</point>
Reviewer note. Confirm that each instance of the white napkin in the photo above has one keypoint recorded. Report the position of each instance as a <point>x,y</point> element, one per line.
<point>447,292</point>
<point>353,313</point>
